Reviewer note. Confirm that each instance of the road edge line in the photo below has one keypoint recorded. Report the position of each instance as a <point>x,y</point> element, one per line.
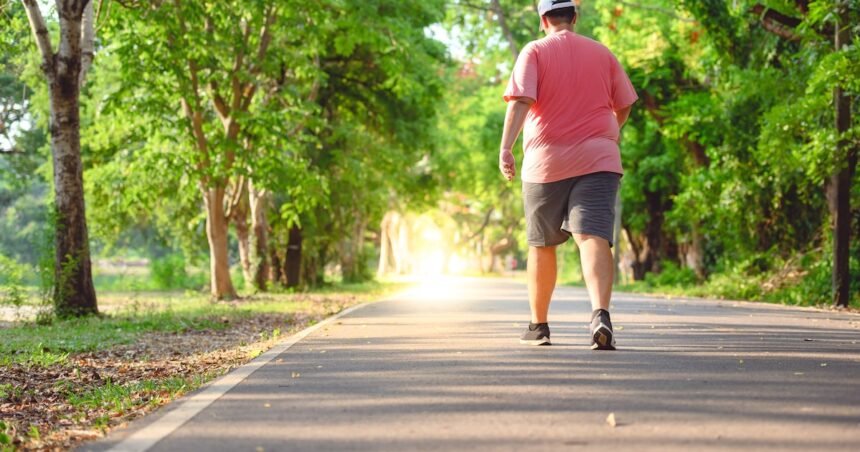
<point>142,440</point>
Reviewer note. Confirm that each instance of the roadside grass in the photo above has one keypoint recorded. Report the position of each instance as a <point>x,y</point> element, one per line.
<point>122,399</point>
<point>45,345</point>
<point>808,292</point>
<point>73,380</point>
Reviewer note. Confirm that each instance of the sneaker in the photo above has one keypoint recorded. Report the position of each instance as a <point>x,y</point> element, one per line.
<point>537,334</point>
<point>601,331</point>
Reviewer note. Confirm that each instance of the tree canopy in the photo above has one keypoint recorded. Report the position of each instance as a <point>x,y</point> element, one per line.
<point>270,141</point>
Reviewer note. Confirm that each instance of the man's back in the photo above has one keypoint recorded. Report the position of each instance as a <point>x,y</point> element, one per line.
<point>571,129</point>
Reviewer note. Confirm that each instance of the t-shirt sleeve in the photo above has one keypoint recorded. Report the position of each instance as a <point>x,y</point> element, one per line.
<point>524,78</point>
<point>623,92</point>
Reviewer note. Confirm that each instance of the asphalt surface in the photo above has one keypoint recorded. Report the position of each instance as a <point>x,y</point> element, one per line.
<point>440,368</point>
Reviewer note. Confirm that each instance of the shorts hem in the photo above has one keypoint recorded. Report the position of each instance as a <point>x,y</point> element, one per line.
<point>537,244</point>
<point>596,234</point>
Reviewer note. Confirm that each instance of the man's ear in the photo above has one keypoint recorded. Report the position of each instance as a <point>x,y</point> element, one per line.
<point>575,19</point>
<point>544,23</point>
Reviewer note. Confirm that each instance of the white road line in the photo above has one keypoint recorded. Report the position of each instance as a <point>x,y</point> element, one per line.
<point>147,437</point>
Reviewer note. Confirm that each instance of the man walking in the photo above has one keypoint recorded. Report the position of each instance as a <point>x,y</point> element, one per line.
<point>573,97</point>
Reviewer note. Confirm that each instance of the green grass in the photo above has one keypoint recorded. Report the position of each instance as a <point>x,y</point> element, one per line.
<point>50,344</point>
<point>47,345</point>
<point>5,438</point>
<point>116,399</point>
<point>812,290</point>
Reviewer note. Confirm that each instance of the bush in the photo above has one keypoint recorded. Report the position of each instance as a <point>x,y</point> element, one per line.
<point>11,278</point>
<point>672,275</point>
<point>169,272</point>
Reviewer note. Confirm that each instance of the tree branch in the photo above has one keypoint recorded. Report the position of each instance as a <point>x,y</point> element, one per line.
<point>88,37</point>
<point>266,34</point>
<point>265,40</point>
<point>193,108</point>
<point>474,6</point>
<point>220,105</point>
<point>236,86</point>
<point>234,198</point>
<point>40,32</point>
<point>14,150</point>
<point>665,11</point>
<point>777,23</point>
<point>503,24</point>
<point>482,227</point>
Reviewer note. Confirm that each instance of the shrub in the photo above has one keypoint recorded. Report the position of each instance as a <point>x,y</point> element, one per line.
<point>672,275</point>
<point>11,277</point>
<point>169,272</point>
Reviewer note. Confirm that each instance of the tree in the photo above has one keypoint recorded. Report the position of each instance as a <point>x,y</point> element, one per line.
<point>65,71</point>
<point>839,188</point>
<point>825,20</point>
<point>189,54</point>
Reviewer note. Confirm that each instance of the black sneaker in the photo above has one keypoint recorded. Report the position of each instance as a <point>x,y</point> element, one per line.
<point>537,334</point>
<point>601,331</point>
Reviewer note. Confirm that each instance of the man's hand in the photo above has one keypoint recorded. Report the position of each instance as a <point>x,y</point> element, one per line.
<point>518,109</point>
<point>507,164</point>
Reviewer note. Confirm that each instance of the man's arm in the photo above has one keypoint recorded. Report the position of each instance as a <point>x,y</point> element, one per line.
<point>622,115</point>
<point>518,109</point>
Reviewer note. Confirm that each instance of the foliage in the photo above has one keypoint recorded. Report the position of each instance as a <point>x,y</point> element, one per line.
<point>358,110</point>
<point>11,278</point>
<point>728,152</point>
<point>671,275</point>
<point>169,272</point>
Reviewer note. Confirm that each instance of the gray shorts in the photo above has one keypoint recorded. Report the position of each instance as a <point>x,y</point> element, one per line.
<point>579,205</point>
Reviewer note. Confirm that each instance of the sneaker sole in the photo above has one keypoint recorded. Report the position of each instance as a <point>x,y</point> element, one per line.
<point>602,339</point>
<point>544,341</point>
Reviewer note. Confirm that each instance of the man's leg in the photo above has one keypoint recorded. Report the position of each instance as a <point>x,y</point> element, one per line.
<point>598,268</point>
<point>542,275</point>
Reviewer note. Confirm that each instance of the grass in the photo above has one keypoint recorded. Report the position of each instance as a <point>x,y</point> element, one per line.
<point>96,394</point>
<point>810,292</point>
<point>47,345</point>
<point>118,400</point>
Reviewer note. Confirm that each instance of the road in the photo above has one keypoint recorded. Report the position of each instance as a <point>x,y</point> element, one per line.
<point>439,368</point>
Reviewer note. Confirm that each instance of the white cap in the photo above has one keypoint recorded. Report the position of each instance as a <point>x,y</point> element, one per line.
<point>546,6</point>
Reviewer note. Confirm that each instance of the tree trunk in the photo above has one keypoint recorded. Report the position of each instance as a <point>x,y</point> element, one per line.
<point>839,189</point>
<point>653,248</point>
<point>219,257</point>
<point>259,252</point>
<point>293,261</point>
<point>352,258</point>
<point>240,219</point>
<point>276,275</point>
<point>74,293</point>
<point>384,246</point>
<point>695,258</point>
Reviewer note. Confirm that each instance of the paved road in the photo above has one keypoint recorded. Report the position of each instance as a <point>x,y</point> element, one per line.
<point>440,368</point>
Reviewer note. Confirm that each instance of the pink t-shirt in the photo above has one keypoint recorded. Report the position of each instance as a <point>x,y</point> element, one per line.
<point>571,129</point>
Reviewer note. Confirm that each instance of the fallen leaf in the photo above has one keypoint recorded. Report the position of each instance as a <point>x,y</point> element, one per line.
<point>823,364</point>
<point>611,420</point>
<point>296,375</point>
<point>267,405</point>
